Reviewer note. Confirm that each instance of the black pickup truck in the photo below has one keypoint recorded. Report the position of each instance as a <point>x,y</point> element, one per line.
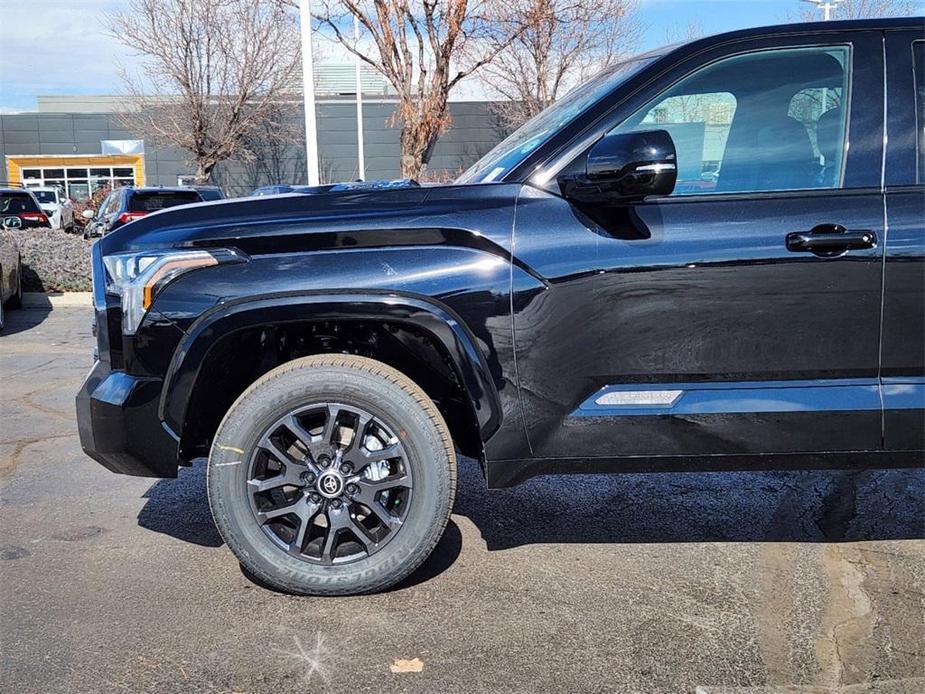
<point>681,265</point>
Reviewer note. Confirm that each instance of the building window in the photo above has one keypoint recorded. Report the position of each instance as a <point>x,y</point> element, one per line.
<point>79,182</point>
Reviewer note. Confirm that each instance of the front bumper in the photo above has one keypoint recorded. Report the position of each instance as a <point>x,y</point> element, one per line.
<point>119,425</point>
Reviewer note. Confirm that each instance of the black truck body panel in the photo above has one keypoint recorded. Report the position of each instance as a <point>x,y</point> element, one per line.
<point>674,333</point>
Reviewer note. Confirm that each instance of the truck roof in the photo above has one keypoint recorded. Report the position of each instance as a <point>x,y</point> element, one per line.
<point>833,26</point>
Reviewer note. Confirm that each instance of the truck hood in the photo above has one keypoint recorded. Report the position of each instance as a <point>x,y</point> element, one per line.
<point>347,215</point>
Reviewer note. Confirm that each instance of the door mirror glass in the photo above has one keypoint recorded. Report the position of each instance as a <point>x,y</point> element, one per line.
<point>624,167</point>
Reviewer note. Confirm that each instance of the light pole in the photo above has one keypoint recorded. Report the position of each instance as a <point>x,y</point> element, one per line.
<point>361,159</point>
<point>826,6</point>
<point>308,93</point>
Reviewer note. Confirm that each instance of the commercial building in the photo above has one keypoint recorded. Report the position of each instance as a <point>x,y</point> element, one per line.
<point>77,142</point>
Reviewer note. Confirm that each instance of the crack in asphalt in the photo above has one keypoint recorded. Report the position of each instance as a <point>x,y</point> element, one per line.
<point>28,400</point>
<point>14,374</point>
<point>847,624</point>
<point>9,466</point>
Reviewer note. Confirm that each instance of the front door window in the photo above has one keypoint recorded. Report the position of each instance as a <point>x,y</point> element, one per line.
<point>763,121</point>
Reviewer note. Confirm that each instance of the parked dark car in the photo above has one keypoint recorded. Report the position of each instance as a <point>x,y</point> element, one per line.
<point>128,203</point>
<point>681,265</point>
<point>22,204</point>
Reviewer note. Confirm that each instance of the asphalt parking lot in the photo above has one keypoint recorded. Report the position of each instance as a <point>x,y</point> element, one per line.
<point>757,582</point>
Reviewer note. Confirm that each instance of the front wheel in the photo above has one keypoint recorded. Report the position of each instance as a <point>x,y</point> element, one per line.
<point>332,475</point>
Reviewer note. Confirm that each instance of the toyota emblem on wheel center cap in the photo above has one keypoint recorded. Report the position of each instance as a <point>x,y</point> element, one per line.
<point>330,484</point>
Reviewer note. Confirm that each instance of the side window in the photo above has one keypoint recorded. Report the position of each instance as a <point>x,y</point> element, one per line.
<point>112,204</point>
<point>763,121</point>
<point>918,66</point>
<point>699,125</point>
<point>105,206</point>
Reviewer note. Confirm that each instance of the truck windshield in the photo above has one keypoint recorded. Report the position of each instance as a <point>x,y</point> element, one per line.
<point>514,149</point>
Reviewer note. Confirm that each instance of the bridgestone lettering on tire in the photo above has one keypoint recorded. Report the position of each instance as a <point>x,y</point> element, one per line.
<point>332,475</point>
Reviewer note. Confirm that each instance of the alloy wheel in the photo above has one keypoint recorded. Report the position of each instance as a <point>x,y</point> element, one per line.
<point>329,483</point>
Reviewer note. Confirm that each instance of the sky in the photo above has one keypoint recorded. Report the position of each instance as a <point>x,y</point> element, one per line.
<point>55,47</point>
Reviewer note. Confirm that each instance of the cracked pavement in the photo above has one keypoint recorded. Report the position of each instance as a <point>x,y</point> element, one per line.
<point>716,583</point>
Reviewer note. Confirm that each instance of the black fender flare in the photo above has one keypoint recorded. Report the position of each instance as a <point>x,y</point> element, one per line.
<point>438,320</point>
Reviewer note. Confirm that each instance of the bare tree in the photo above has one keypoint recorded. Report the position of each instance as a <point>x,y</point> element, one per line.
<point>276,147</point>
<point>212,73</point>
<point>558,44</point>
<point>677,33</point>
<point>424,48</point>
<point>862,9</point>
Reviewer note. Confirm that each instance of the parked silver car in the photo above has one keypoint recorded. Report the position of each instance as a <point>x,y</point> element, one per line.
<point>10,268</point>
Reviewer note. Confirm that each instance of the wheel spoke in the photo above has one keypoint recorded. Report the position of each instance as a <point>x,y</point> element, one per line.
<point>338,520</point>
<point>369,489</point>
<point>386,518</point>
<point>359,432</point>
<point>327,550</point>
<point>291,475</point>
<point>327,432</point>
<point>267,444</point>
<point>394,450</point>
<point>362,534</point>
<point>306,515</point>
<point>270,514</point>
<point>304,437</point>
<point>296,429</point>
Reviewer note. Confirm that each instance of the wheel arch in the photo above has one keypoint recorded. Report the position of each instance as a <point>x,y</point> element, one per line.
<point>206,362</point>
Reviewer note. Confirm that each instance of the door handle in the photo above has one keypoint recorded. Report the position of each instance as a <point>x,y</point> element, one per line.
<point>830,239</point>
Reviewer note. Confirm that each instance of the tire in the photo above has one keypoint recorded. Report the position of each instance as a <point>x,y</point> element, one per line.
<point>15,301</point>
<point>324,398</point>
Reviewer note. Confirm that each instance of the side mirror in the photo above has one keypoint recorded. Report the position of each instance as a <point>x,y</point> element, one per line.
<point>87,214</point>
<point>625,168</point>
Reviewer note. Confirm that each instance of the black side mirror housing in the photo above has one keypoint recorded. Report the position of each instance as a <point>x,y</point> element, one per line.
<point>625,168</point>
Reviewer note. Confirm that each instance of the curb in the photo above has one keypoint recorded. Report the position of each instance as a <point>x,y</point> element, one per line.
<point>57,300</point>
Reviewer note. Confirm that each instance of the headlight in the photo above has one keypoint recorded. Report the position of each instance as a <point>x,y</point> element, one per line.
<point>137,277</point>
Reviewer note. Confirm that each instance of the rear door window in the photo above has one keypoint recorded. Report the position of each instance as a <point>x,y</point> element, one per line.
<point>47,197</point>
<point>17,203</point>
<point>151,202</point>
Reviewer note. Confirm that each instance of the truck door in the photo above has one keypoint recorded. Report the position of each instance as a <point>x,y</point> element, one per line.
<point>903,360</point>
<point>741,314</point>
